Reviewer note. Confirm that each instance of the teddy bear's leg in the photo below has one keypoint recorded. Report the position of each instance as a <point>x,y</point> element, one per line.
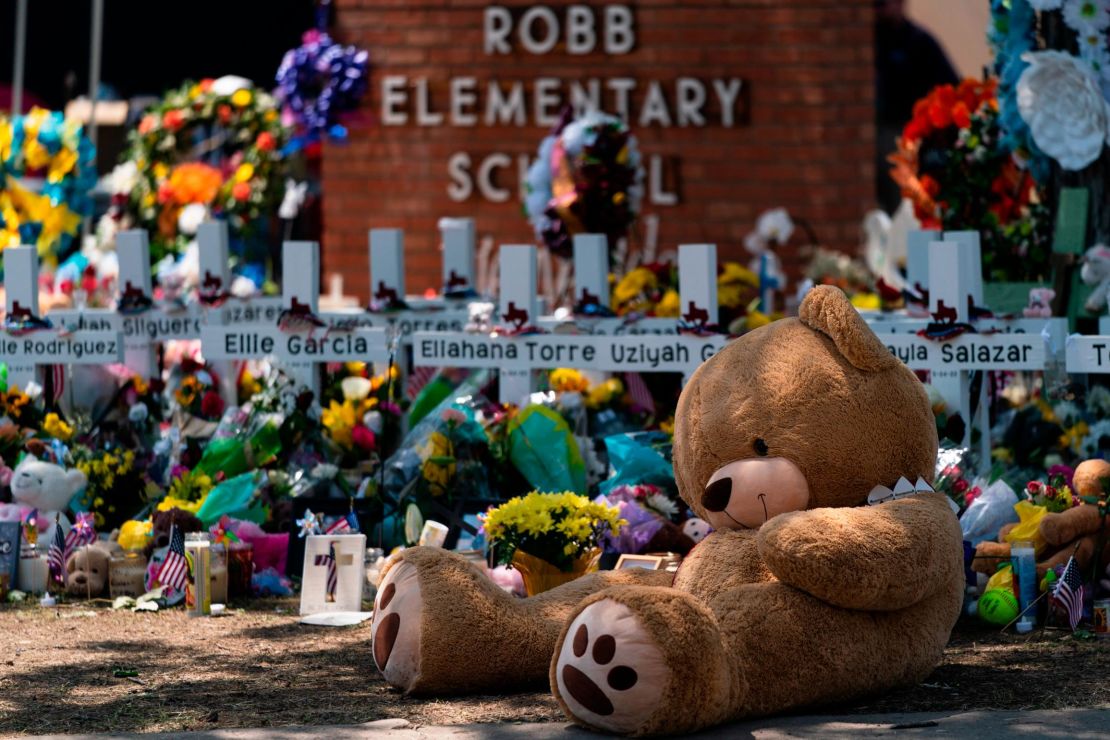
<point>797,650</point>
<point>643,660</point>
<point>656,661</point>
<point>442,626</point>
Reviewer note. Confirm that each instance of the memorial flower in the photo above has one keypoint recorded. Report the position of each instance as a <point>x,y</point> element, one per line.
<point>54,426</point>
<point>1061,101</point>
<point>555,527</point>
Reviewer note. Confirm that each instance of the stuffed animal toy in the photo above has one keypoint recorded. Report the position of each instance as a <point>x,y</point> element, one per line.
<point>162,522</point>
<point>1075,531</point>
<point>802,594</point>
<point>47,487</point>
<point>87,569</point>
<point>1096,272</point>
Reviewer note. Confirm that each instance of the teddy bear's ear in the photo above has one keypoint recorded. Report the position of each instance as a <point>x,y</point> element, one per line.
<point>827,309</point>
<point>75,480</point>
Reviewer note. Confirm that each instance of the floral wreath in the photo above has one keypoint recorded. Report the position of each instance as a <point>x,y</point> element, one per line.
<point>168,190</point>
<point>587,179</point>
<point>44,144</point>
<point>317,81</point>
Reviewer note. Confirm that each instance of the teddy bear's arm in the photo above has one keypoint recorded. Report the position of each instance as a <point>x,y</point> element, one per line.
<point>883,557</point>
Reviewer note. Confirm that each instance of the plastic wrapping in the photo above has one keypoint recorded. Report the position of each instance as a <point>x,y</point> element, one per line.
<point>988,512</point>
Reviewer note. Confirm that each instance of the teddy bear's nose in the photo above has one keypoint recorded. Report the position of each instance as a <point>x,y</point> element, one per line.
<point>717,494</point>
<point>79,578</point>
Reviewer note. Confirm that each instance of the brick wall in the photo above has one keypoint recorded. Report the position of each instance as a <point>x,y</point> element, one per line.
<point>806,145</point>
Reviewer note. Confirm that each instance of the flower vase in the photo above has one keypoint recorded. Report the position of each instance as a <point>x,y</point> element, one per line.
<point>539,575</point>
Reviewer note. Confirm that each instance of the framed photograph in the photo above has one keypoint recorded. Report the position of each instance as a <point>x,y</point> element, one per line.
<point>10,533</point>
<point>647,562</point>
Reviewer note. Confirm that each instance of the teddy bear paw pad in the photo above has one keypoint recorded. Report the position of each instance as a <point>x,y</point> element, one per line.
<point>395,629</point>
<point>610,673</point>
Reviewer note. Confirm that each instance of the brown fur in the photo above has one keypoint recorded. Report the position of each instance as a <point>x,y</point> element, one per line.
<point>816,606</point>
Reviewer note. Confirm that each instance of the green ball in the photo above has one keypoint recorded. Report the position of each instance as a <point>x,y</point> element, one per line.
<point>998,606</point>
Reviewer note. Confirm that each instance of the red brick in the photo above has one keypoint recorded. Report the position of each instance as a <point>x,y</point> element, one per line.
<point>807,66</point>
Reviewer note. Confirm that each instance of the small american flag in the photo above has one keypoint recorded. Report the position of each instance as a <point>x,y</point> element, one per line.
<point>339,526</point>
<point>328,559</point>
<point>418,378</point>
<point>175,568</point>
<point>81,533</point>
<point>56,555</point>
<point>639,393</point>
<point>1069,592</point>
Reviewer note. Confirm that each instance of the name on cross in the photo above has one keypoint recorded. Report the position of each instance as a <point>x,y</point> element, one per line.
<point>296,345</point>
<point>53,349</point>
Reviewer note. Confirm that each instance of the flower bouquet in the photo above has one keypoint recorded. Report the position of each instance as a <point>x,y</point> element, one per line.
<point>210,148</point>
<point>551,538</point>
<point>587,179</point>
<point>197,405</point>
<point>361,415</point>
<point>117,488</point>
<point>955,167</point>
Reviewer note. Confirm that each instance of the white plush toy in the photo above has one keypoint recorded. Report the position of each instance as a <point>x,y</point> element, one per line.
<point>48,488</point>
<point>696,529</point>
<point>1096,271</point>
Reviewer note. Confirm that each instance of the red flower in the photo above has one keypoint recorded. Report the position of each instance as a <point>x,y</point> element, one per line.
<point>961,116</point>
<point>265,141</point>
<point>960,486</point>
<point>241,191</point>
<point>224,112</point>
<point>173,119</point>
<point>930,185</point>
<point>363,438</point>
<point>211,405</point>
<point>147,124</point>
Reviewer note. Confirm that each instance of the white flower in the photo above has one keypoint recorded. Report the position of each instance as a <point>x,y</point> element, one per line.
<point>1098,400</point>
<point>325,471</point>
<point>123,178</point>
<point>1085,16</point>
<point>1060,99</point>
<point>243,287</point>
<point>137,414</point>
<point>662,503</point>
<point>293,200</point>
<point>1067,412</point>
<point>775,226</point>
<point>1045,4</point>
<point>1098,430</point>
<point>191,217</point>
<point>229,84</point>
<point>355,388</point>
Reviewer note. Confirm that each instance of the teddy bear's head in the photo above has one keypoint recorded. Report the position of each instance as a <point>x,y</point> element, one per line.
<point>87,570</point>
<point>800,414</point>
<point>44,485</point>
<point>162,522</point>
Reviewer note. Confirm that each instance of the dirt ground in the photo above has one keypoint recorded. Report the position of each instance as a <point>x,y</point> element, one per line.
<point>64,670</point>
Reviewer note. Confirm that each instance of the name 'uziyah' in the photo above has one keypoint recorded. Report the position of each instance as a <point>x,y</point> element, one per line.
<point>651,356</point>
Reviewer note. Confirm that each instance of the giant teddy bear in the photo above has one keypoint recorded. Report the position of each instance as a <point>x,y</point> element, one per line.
<point>803,595</point>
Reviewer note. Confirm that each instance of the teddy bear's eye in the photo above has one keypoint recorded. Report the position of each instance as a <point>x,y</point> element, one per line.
<point>760,447</point>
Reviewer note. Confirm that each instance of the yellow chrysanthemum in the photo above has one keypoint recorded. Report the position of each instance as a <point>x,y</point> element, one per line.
<point>245,172</point>
<point>54,426</point>
<point>565,379</point>
<point>241,98</point>
<point>669,304</point>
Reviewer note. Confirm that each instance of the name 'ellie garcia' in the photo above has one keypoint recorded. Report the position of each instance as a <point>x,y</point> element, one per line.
<point>297,345</point>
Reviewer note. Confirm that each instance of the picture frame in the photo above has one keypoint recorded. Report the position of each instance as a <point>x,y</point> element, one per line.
<point>646,562</point>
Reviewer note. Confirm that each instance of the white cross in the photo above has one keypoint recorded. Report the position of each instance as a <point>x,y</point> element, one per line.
<point>300,342</point>
<point>25,351</point>
<point>518,356</point>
